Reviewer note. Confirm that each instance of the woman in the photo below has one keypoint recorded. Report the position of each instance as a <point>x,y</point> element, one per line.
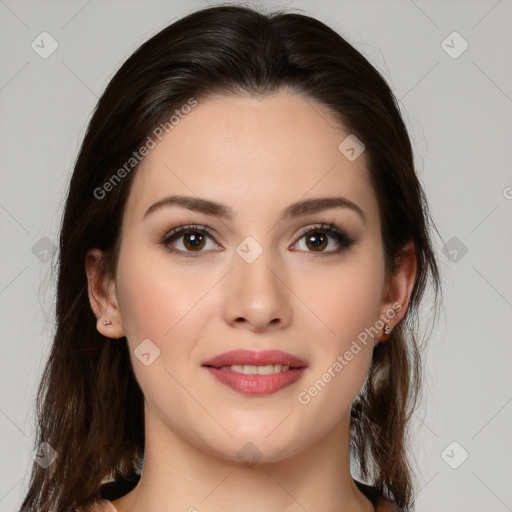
<point>243,252</point>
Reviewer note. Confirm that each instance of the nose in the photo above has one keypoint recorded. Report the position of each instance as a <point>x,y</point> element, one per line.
<point>256,296</point>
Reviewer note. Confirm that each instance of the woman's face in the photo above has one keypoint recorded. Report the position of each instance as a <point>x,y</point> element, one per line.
<point>251,280</point>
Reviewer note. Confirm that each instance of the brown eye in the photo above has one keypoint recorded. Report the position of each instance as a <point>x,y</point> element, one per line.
<point>318,238</point>
<point>317,241</point>
<point>192,239</point>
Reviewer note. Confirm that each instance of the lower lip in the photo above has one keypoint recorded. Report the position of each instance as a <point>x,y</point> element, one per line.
<point>256,385</point>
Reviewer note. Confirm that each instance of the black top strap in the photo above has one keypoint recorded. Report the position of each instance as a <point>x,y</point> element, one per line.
<point>123,485</point>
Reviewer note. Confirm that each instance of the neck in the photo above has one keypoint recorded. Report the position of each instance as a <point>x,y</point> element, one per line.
<point>178,475</point>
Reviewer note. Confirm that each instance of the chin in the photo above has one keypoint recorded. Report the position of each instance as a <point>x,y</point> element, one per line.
<point>256,449</point>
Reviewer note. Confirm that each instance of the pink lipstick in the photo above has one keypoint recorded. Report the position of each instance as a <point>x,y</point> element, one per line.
<point>256,373</point>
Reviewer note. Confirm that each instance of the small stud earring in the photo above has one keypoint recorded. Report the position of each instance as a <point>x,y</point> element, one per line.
<point>107,322</point>
<point>387,330</point>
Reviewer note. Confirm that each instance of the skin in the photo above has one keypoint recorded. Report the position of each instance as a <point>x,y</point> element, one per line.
<point>256,155</point>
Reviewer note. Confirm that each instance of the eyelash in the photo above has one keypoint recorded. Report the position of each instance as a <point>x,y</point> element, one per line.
<point>344,240</point>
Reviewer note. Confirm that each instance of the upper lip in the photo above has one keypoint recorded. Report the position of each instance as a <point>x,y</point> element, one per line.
<point>249,357</point>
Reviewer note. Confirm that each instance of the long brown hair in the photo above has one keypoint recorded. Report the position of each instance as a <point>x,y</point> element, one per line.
<point>89,404</point>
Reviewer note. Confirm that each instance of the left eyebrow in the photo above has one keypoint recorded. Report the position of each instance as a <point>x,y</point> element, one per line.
<point>297,209</point>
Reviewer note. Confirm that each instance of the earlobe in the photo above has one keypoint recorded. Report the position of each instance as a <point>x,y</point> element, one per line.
<point>398,290</point>
<point>102,297</point>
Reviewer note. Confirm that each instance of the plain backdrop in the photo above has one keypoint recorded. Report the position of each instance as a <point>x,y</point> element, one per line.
<point>449,64</point>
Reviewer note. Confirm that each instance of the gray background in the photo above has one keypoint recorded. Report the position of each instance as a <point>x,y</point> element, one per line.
<point>459,113</point>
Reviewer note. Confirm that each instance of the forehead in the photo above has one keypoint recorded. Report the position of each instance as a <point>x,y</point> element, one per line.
<point>253,151</point>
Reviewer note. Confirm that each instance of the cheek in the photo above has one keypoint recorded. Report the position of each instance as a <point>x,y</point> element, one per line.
<point>155,306</point>
<point>342,352</point>
<point>347,299</point>
<point>341,301</point>
<point>354,303</point>
<point>159,307</point>
<point>152,298</point>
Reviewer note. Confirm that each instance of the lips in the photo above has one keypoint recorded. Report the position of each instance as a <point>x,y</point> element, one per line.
<point>251,358</point>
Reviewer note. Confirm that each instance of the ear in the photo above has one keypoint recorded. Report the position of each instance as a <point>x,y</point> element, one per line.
<point>102,297</point>
<point>398,288</point>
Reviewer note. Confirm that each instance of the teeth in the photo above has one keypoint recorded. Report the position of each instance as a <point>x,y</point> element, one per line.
<point>256,370</point>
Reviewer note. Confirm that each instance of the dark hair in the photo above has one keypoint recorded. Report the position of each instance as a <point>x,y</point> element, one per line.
<point>89,404</point>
